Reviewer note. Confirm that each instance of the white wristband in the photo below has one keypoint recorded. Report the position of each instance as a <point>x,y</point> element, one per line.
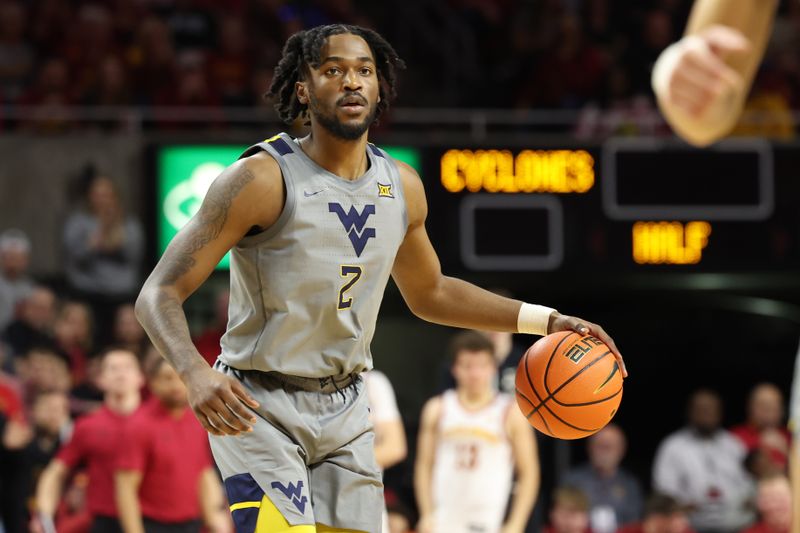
<point>534,319</point>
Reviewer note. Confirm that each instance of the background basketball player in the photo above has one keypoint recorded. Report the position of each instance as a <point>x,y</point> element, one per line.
<point>390,435</point>
<point>703,80</point>
<point>471,440</point>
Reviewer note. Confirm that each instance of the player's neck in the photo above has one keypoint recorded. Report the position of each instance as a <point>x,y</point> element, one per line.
<point>475,399</point>
<point>123,404</point>
<point>346,159</point>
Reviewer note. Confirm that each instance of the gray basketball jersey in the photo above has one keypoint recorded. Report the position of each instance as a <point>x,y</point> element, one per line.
<point>305,293</point>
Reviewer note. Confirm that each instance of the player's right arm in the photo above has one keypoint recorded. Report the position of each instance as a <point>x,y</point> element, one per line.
<point>702,81</point>
<point>526,464</point>
<point>423,467</point>
<point>248,194</point>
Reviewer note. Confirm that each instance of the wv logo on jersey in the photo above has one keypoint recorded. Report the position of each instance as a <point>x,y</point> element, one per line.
<point>354,223</point>
<point>294,493</point>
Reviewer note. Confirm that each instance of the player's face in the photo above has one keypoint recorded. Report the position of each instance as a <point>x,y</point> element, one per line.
<point>343,93</point>
<point>120,373</point>
<point>474,371</point>
<point>167,386</point>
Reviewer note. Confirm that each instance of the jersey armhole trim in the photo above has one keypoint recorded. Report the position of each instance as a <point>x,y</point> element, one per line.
<point>288,206</point>
<point>401,190</point>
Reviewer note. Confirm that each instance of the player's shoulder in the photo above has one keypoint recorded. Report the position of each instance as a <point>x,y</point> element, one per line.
<point>410,177</point>
<point>259,167</point>
<point>414,191</point>
<point>432,410</point>
<point>249,184</point>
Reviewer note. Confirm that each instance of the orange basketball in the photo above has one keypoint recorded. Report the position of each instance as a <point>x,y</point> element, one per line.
<point>568,385</point>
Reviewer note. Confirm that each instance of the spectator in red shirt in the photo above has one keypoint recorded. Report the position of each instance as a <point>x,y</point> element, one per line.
<point>764,432</point>
<point>15,434</point>
<point>570,511</point>
<point>774,503</point>
<point>96,442</point>
<point>165,463</point>
<point>662,514</point>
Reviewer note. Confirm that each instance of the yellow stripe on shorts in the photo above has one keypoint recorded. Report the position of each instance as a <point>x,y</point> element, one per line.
<point>244,505</point>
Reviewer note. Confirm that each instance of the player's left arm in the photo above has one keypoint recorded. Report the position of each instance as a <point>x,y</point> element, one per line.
<point>449,301</point>
<point>526,463</point>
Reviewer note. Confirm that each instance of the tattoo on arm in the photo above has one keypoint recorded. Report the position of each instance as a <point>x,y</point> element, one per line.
<point>209,223</point>
<point>163,317</point>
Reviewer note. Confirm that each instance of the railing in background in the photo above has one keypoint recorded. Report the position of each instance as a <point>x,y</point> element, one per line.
<point>471,125</point>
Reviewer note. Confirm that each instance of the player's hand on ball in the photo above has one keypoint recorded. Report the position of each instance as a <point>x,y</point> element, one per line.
<point>559,322</point>
<point>696,79</point>
<point>220,402</point>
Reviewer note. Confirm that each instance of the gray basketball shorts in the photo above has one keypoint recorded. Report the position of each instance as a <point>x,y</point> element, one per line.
<point>310,453</point>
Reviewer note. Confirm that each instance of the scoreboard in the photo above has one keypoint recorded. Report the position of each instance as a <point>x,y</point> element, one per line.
<point>636,205</point>
<point>629,205</point>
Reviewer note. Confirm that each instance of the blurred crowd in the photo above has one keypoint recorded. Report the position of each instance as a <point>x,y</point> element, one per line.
<point>75,364</point>
<point>590,55</point>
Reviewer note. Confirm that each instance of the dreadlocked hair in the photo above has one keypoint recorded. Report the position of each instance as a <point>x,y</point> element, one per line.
<point>302,50</point>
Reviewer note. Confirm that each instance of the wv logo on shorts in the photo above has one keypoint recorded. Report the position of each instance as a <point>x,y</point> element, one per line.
<point>354,223</point>
<point>294,493</point>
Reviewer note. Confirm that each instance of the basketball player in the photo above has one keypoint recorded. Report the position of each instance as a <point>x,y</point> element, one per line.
<point>702,81</point>
<point>316,226</point>
<point>96,442</point>
<point>387,424</point>
<point>470,441</point>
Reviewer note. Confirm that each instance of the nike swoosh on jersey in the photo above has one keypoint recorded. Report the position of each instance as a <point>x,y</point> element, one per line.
<point>307,194</point>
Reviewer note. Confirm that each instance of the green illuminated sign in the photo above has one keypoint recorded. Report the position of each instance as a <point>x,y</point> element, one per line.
<point>185,173</point>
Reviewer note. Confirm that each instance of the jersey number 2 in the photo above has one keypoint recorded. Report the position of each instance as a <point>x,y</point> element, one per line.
<point>354,274</point>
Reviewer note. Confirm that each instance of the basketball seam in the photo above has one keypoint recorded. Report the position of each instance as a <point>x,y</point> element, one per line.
<point>536,411</point>
<point>550,360</point>
<point>601,400</point>
<point>551,395</point>
<point>544,421</point>
<point>533,389</point>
